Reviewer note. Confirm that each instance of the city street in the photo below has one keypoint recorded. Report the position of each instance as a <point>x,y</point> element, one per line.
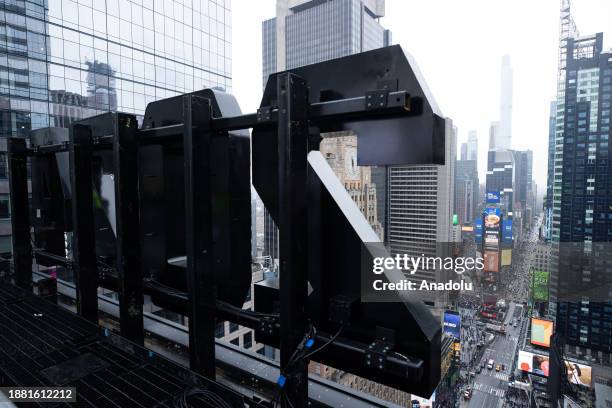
<point>489,386</point>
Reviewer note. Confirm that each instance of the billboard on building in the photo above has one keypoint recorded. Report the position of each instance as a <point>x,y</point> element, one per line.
<point>507,231</point>
<point>493,197</point>
<point>506,257</point>
<point>452,323</point>
<point>469,228</point>
<point>491,261</point>
<point>478,229</point>
<point>533,363</point>
<point>491,241</point>
<point>541,330</point>
<point>578,374</point>
<point>539,286</point>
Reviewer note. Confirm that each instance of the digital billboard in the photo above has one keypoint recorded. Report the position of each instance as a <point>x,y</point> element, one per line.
<point>539,286</point>
<point>506,257</point>
<point>493,197</point>
<point>491,261</point>
<point>541,330</point>
<point>533,363</point>
<point>478,229</point>
<point>507,231</point>
<point>578,374</point>
<point>452,323</point>
<point>491,240</point>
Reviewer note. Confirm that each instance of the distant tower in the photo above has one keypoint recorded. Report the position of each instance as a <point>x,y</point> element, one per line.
<point>472,146</point>
<point>505,123</point>
<point>464,151</point>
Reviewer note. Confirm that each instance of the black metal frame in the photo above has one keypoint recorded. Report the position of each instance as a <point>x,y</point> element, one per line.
<point>291,118</point>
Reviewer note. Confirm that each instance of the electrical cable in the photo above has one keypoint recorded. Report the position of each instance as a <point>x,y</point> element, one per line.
<point>330,341</point>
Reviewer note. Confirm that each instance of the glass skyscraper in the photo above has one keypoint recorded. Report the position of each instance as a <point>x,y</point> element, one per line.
<point>64,60</point>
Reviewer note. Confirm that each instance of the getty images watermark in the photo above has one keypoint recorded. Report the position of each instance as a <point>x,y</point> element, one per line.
<point>384,277</point>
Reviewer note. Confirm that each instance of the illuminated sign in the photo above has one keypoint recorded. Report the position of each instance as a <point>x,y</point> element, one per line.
<point>507,231</point>
<point>491,261</point>
<point>541,330</point>
<point>506,257</point>
<point>539,286</point>
<point>533,363</point>
<point>452,324</point>
<point>578,374</point>
<point>493,197</point>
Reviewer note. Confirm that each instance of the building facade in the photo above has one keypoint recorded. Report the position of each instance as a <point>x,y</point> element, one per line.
<point>466,191</point>
<point>472,146</point>
<point>63,60</point>
<point>504,140</point>
<point>582,223</point>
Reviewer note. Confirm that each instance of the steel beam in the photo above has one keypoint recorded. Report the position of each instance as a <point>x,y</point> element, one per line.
<point>292,96</point>
<point>84,248</point>
<point>197,113</point>
<point>125,170</point>
<point>20,212</point>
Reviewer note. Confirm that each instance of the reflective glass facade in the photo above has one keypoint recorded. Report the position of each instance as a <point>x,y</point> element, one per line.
<point>63,60</point>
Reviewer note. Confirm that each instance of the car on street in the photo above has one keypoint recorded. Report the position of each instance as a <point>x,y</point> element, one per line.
<point>490,364</point>
<point>467,394</point>
<point>498,367</point>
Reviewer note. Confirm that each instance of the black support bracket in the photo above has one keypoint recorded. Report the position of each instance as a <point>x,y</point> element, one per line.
<point>20,212</point>
<point>84,250</point>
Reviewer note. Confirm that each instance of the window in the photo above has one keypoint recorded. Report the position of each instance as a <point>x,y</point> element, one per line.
<point>233,327</point>
<point>236,341</point>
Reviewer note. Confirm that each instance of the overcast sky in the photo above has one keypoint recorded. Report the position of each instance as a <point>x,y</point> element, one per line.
<point>458,46</point>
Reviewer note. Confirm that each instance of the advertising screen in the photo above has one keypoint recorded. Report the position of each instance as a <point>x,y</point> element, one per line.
<point>491,241</point>
<point>578,374</point>
<point>493,197</point>
<point>452,324</point>
<point>541,330</point>
<point>533,363</point>
<point>507,232</point>
<point>491,261</point>
<point>506,257</point>
<point>539,286</point>
<point>478,229</point>
<point>492,219</point>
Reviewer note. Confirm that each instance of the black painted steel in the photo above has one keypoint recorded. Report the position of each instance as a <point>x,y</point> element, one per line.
<point>20,211</point>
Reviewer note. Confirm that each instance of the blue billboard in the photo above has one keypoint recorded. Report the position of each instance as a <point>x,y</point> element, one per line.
<point>493,197</point>
<point>478,230</point>
<point>507,232</point>
<point>452,324</point>
<point>492,210</point>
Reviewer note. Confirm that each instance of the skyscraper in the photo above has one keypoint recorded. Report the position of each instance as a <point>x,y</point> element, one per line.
<point>67,60</point>
<point>466,190</point>
<point>420,206</point>
<point>505,117</point>
<point>310,31</point>
<point>472,146</point>
<point>582,225</point>
<point>548,200</point>
<point>464,151</point>
<point>493,135</point>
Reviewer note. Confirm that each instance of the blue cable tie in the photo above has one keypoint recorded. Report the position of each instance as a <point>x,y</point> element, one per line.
<point>309,343</point>
<point>281,380</point>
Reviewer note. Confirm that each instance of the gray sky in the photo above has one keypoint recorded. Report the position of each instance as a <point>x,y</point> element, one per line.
<point>458,46</point>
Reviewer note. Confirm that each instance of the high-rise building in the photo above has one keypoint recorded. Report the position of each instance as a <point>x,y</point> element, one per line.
<point>500,177</point>
<point>310,31</point>
<point>548,200</point>
<point>505,119</point>
<point>472,146</point>
<point>340,150</point>
<point>582,224</point>
<point>67,60</point>
<point>464,151</point>
<point>466,190</point>
<point>420,207</point>
<point>523,185</point>
<point>493,135</point>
